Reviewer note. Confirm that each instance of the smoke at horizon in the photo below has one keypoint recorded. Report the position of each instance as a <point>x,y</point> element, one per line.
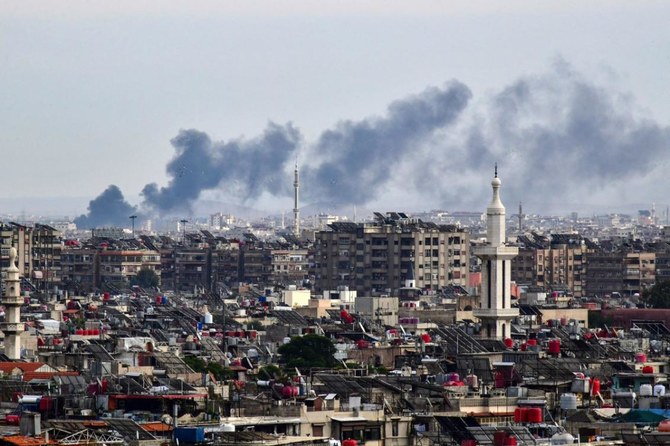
<point>557,137</point>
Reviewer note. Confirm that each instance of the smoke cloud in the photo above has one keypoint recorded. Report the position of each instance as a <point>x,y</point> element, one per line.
<point>358,157</point>
<point>248,168</point>
<point>109,209</point>
<point>558,138</point>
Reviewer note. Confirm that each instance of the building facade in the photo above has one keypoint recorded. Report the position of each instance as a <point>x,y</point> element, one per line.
<point>374,258</point>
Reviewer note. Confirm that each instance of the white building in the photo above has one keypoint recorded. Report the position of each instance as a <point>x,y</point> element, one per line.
<point>495,311</point>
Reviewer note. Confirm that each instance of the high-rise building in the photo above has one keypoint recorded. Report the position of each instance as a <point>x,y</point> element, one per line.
<point>374,258</point>
<point>495,311</point>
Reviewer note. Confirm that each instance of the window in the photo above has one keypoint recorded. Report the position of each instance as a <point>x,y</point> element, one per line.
<point>395,428</point>
<point>317,430</point>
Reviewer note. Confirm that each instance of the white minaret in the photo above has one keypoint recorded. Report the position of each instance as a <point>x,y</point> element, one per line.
<point>12,300</point>
<point>495,311</point>
<point>296,208</point>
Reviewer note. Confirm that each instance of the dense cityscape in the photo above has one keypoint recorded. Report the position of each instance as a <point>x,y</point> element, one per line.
<point>442,328</point>
<point>334,223</point>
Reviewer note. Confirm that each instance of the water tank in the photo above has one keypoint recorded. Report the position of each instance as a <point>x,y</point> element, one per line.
<point>659,390</point>
<point>640,357</point>
<point>228,428</point>
<point>208,318</point>
<point>472,381</point>
<point>509,441</point>
<point>646,390</point>
<point>349,442</point>
<point>563,438</point>
<point>520,414</point>
<point>499,380</point>
<point>568,401</point>
<point>287,340</point>
<point>241,312</point>
<point>595,386</point>
<point>362,344</point>
<point>499,438</point>
<point>509,343</point>
<point>664,426</point>
<point>647,369</point>
<point>555,347</point>
<point>426,338</point>
<point>535,415</point>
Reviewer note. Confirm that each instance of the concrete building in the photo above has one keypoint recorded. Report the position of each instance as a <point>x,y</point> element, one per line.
<point>495,310</point>
<point>373,258</point>
<point>295,297</point>
<point>380,310</point>
<point>80,269</point>
<point>289,266</point>
<point>555,261</point>
<point>628,273</point>
<point>119,267</point>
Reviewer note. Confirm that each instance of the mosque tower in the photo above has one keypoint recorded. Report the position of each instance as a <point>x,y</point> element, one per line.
<point>296,208</point>
<point>12,300</point>
<point>495,311</point>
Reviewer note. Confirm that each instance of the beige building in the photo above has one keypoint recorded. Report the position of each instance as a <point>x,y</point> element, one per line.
<point>374,258</point>
<point>289,265</point>
<point>38,253</point>
<point>552,262</point>
<point>382,310</point>
<point>120,266</point>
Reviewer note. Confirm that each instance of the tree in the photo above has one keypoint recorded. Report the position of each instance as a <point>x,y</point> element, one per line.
<point>658,296</point>
<point>146,278</point>
<point>308,351</point>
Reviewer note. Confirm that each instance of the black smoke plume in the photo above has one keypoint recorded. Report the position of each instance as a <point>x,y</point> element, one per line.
<point>558,138</point>
<point>248,168</point>
<point>357,158</point>
<point>107,209</point>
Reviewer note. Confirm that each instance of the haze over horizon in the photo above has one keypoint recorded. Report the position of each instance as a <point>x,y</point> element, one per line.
<point>383,106</point>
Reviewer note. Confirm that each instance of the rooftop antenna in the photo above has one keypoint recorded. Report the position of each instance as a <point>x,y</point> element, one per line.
<point>496,170</point>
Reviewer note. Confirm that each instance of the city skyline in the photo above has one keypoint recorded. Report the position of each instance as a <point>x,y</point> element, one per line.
<point>384,106</point>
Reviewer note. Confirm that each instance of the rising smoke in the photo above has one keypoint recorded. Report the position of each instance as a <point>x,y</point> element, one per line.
<point>109,209</point>
<point>247,167</point>
<point>560,140</point>
<point>557,137</point>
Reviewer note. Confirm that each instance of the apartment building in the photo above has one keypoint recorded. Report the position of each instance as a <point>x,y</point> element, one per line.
<point>289,266</point>
<point>374,258</point>
<point>80,269</point>
<point>557,261</point>
<point>39,253</point>
<point>119,266</point>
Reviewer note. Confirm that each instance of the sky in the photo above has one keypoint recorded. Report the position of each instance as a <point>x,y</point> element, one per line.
<point>156,106</point>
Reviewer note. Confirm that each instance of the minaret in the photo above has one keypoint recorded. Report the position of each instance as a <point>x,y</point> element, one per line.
<point>12,300</point>
<point>520,218</point>
<point>495,311</point>
<point>296,208</point>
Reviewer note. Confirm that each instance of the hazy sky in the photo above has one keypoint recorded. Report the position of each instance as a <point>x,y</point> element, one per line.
<point>93,92</point>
